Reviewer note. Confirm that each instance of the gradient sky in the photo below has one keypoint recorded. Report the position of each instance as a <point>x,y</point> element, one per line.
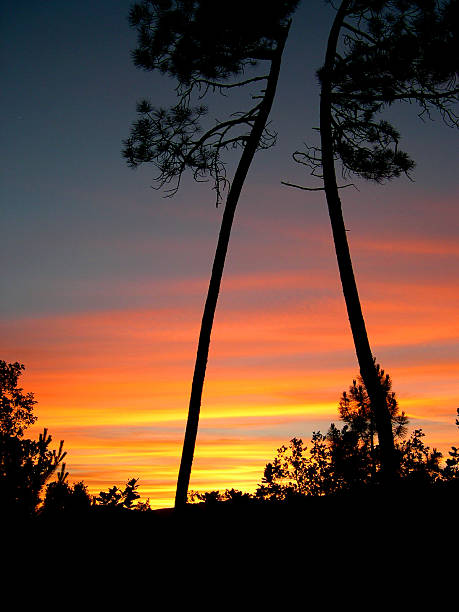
<point>104,280</point>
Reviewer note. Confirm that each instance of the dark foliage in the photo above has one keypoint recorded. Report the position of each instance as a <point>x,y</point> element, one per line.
<point>25,465</point>
<point>451,470</point>
<point>204,46</point>
<point>396,50</point>
<point>190,39</point>
<point>355,411</point>
<point>16,409</point>
<point>232,496</point>
<point>340,462</point>
<point>61,497</point>
<point>347,460</point>
<point>64,499</point>
<point>117,498</point>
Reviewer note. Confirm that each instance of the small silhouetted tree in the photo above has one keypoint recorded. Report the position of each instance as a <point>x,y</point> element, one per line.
<point>378,52</point>
<point>25,465</point>
<point>206,46</point>
<point>296,472</point>
<point>419,463</point>
<point>62,497</point>
<point>355,410</point>
<point>120,498</point>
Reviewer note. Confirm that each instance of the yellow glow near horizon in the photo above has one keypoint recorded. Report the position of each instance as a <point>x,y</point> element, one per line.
<point>115,384</point>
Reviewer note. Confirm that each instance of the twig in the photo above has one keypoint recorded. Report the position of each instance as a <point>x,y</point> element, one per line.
<point>316,188</point>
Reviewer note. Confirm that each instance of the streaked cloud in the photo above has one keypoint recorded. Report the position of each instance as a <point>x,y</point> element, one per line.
<point>114,384</point>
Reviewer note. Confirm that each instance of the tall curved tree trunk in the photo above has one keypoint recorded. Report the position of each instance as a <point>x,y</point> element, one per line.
<point>362,346</point>
<point>217,273</point>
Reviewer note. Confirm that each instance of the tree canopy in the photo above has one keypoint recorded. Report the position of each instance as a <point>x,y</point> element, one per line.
<point>206,47</point>
<point>391,51</point>
<point>197,41</point>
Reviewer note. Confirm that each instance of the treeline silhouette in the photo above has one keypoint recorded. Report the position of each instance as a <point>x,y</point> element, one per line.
<point>347,460</point>
<point>27,466</point>
<point>339,469</point>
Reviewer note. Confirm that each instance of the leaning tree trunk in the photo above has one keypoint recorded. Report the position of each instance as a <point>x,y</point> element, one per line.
<point>362,346</point>
<point>250,148</point>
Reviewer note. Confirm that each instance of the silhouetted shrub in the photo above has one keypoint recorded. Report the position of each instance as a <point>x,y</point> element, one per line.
<point>25,465</point>
<point>62,497</point>
<point>116,498</point>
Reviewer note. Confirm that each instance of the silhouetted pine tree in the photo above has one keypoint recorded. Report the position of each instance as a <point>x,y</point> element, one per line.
<point>378,52</point>
<point>355,410</point>
<point>206,46</point>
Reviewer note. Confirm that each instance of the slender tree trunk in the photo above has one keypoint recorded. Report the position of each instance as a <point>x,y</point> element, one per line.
<point>351,296</point>
<point>217,273</point>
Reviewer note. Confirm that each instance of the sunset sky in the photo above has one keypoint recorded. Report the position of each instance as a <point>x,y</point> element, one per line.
<point>104,279</point>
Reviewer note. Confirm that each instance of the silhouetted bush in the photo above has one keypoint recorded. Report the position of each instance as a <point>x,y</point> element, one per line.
<point>116,498</point>
<point>25,465</point>
<point>62,497</point>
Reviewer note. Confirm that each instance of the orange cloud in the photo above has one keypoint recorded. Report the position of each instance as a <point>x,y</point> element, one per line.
<point>408,246</point>
<point>274,363</point>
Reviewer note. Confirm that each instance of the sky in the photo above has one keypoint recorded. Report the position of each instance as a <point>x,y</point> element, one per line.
<point>104,279</point>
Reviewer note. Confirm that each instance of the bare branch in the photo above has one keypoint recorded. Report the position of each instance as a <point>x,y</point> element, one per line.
<point>217,85</point>
<point>359,32</point>
<point>301,187</point>
<point>316,188</point>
